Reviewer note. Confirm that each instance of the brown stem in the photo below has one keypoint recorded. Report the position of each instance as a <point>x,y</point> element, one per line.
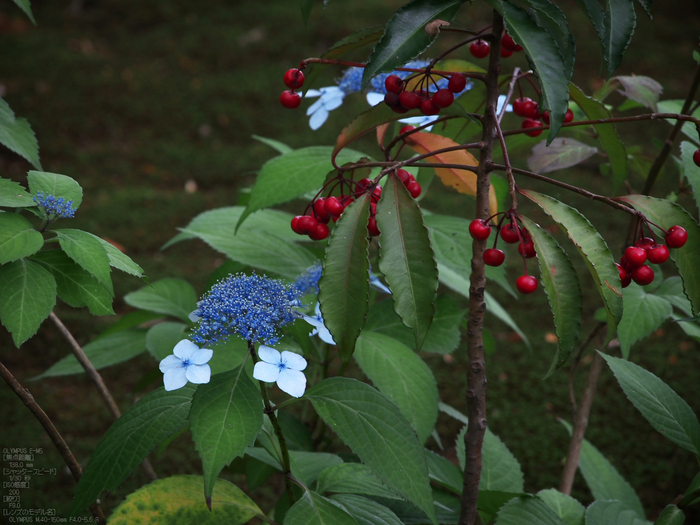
<point>577,359</point>
<point>580,424</point>
<point>51,430</point>
<point>332,61</point>
<point>476,372</point>
<point>96,378</point>
<point>509,169</point>
<point>509,94</point>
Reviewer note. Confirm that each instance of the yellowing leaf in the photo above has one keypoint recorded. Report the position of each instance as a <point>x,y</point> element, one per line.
<point>464,181</point>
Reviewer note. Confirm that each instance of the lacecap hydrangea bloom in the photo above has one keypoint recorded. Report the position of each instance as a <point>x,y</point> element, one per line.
<point>252,307</point>
<point>284,368</point>
<point>307,282</point>
<point>55,207</point>
<point>187,363</point>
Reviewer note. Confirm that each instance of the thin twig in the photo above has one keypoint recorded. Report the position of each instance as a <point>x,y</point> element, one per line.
<point>509,169</point>
<point>509,94</point>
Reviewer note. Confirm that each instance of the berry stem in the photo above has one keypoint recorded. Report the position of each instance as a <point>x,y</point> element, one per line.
<point>331,61</point>
<point>512,186</point>
<point>509,94</point>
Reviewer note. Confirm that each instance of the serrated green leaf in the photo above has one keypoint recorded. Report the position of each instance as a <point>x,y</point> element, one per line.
<point>604,481</point>
<point>691,171</point>
<point>306,466</point>
<point>403,377</point>
<point>618,23</point>
<point>665,410</point>
<point>120,260</point>
<point>106,351</point>
<point>563,291</point>
<point>177,500</point>
<point>88,252</point>
<point>131,438</point>
<point>672,290</point>
<point>162,338</point>
<point>447,509</point>
<point>56,185</point>
<point>560,154</point>
<point>527,510</point>
<point>607,135</point>
<point>15,133</point>
<point>692,492</point>
<point>595,13</point>
<point>643,314</point>
<point>353,478</point>
<point>592,247</point>
<point>226,416</point>
<point>27,296</point>
<point>314,509</point>
<point>174,297</point>
<point>666,214</point>
<point>13,195</point>
<point>613,513</point>
<point>26,7</point>
<point>18,238</point>
<point>444,471</point>
<point>292,175</point>
<point>130,320</point>
<point>366,511</point>
<point>378,433</point>
<point>75,286</point>
<point>567,508</point>
<point>344,285</point>
<point>406,258</point>
<point>671,515</point>
<point>543,54</point>
<point>279,147</point>
<point>405,37</point>
<point>688,128</point>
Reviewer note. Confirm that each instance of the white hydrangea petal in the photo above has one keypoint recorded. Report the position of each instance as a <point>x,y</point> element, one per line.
<point>374,98</point>
<point>501,100</point>
<point>293,361</point>
<point>193,316</point>
<point>333,103</point>
<point>420,121</point>
<point>266,372</point>
<point>201,356</point>
<point>198,374</point>
<point>312,93</point>
<point>325,335</point>
<point>169,363</point>
<point>316,323</point>
<point>377,284</point>
<point>313,108</point>
<point>269,355</point>
<point>175,378</point>
<point>292,382</point>
<point>318,118</point>
<point>184,349</point>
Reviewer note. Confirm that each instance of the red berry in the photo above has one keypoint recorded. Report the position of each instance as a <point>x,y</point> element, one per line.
<point>696,157</point>
<point>479,229</point>
<point>526,284</point>
<point>527,249</point>
<point>525,107</point>
<point>457,83</point>
<point>545,117</point>
<point>377,191</point>
<point>294,78</point>
<point>635,256</point>
<point>494,257</point>
<point>507,42</point>
<point>658,254</point>
<point>333,207</point>
<point>443,98</point>
<point>643,275</point>
<point>306,224</point>
<point>645,242</point>
<point>568,116</point>
<point>362,185</point>
<point>409,100</point>
<point>509,233</point>
<point>428,107</point>
<point>531,123</point>
<point>290,100</point>
<point>479,49</point>
<point>404,176</point>
<point>372,227</point>
<point>414,189</point>
<point>295,225</point>
<point>319,233</point>
<point>505,53</point>
<point>676,237</point>
<point>625,276</point>
<point>406,129</point>
<point>393,84</point>
<point>320,209</point>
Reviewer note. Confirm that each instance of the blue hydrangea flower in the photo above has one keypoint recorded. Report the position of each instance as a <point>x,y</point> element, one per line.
<point>307,282</point>
<point>319,327</point>
<point>285,369</point>
<point>188,363</point>
<point>330,98</point>
<point>250,306</point>
<point>55,207</point>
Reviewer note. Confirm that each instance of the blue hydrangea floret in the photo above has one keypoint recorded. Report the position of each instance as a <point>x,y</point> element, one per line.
<point>55,207</point>
<point>307,282</point>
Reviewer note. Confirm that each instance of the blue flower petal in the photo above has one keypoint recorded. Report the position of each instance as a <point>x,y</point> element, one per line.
<point>318,118</point>
<point>198,374</point>
<point>266,372</point>
<point>292,382</point>
<point>269,355</point>
<point>293,361</point>
<point>175,378</point>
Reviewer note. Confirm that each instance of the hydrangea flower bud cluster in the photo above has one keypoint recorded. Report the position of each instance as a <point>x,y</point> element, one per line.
<point>55,207</point>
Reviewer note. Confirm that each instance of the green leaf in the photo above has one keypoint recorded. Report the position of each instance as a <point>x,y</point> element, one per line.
<point>76,287</point>
<point>665,410</point>
<point>603,479</point>
<point>26,7</point>
<point>314,509</point>
<point>403,377</point>
<point>688,128</point>
<point>406,258</point>
<point>378,433</point>
<point>18,238</point>
<point>666,214</point>
<point>592,247</point>
<point>672,290</point>
<point>643,314</point>
<point>15,133</point>
<point>563,291</point>
<point>88,252</point>
<point>613,513</point>
<point>130,320</point>
<point>344,286</point>
<point>262,241</point>
<point>174,297</point>
<point>444,471</point>
<point>352,478</point>
<point>405,37</point>
<point>306,466</point>
<point>306,7</point>
<point>292,175</point>
<point>120,260</point>
<point>162,338</point>
<point>225,418</point>
<point>607,135</point>
<point>595,14</point>
<point>618,23</point>
<point>527,510</point>
<point>560,154</point>
<point>644,90</point>
<point>106,351</point>
<point>56,185</point>
<point>544,57</point>
<point>27,296</point>
<point>671,515</point>
<point>178,500</point>
<point>13,195</point>
<point>691,171</point>
<point>130,439</point>
<point>446,508</point>
<point>567,508</point>
<point>366,511</point>
<point>279,147</point>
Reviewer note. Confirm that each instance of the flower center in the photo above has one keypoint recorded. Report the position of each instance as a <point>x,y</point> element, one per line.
<point>282,365</point>
<point>186,363</point>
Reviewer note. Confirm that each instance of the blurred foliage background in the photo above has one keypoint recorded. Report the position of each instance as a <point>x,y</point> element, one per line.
<point>151,107</point>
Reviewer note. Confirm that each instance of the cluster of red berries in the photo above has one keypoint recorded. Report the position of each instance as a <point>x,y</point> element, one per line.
<point>293,79</point>
<point>401,100</point>
<point>511,233</point>
<point>530,111</point>
<point>632,267</point>
<point>481,48</point>
<point>322,210</point>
